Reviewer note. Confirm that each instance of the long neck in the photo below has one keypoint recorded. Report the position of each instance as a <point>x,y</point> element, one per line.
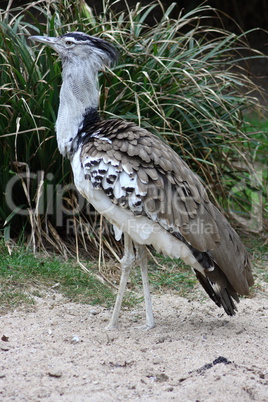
<point>78,94</point>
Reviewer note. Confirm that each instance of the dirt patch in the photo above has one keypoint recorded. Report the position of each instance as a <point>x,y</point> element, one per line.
<point>62,352</point>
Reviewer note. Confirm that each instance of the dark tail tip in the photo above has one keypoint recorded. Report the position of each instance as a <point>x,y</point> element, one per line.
<point>222,297</point>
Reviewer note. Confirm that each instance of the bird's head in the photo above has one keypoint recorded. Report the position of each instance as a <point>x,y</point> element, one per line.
<point>78,46</point>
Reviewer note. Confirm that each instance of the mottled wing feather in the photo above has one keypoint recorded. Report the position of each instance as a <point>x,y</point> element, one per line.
<point>159,185</point>
<point>139,172</point>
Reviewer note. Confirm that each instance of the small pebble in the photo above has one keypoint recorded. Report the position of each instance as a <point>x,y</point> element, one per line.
<point>56,373</point>
<point>240,331</point>
<point>75,339</point>
<point>169,389</point>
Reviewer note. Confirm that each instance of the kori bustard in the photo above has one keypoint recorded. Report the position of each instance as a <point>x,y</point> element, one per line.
<point>140,184</point>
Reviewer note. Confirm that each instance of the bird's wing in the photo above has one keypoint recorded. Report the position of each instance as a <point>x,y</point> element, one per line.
<point>140,172</point>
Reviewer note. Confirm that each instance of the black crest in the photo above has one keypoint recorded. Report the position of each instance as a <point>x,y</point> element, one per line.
<point>95,42</point>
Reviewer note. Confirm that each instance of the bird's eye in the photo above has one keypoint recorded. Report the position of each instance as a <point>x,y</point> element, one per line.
<point>69,43</point>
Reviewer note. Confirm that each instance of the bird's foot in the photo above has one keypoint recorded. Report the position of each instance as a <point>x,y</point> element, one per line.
<point>111,327</point>
<point>145,327</point>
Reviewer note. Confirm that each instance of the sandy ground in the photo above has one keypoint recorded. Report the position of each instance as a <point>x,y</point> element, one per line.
<point>61,351</point>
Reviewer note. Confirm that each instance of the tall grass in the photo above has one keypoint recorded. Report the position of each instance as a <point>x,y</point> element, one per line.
<point>179,78</point>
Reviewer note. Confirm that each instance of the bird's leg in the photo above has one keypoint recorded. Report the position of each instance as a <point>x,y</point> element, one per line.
<point>127,263</point>
<point>142,260</point>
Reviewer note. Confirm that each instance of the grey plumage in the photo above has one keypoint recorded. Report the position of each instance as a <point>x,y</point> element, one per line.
<point>137,181</point>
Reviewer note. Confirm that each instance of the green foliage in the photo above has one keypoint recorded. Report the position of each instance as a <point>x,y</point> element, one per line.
<point>176,276</point>
<point>176,78</point>
<point>23,275</point>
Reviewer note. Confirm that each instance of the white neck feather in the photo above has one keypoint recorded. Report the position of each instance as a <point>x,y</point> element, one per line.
<point>78,93</point>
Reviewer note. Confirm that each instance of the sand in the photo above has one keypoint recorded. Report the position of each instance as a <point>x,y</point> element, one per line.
<point>61,351</point>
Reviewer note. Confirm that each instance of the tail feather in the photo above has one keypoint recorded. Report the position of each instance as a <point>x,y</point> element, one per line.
<point>225,280</point>
<point>223,296</point>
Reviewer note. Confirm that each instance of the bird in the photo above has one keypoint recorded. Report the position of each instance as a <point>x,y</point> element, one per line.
<point>141,185</point>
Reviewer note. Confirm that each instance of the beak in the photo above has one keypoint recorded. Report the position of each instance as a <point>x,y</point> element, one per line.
<point>47,40</point>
